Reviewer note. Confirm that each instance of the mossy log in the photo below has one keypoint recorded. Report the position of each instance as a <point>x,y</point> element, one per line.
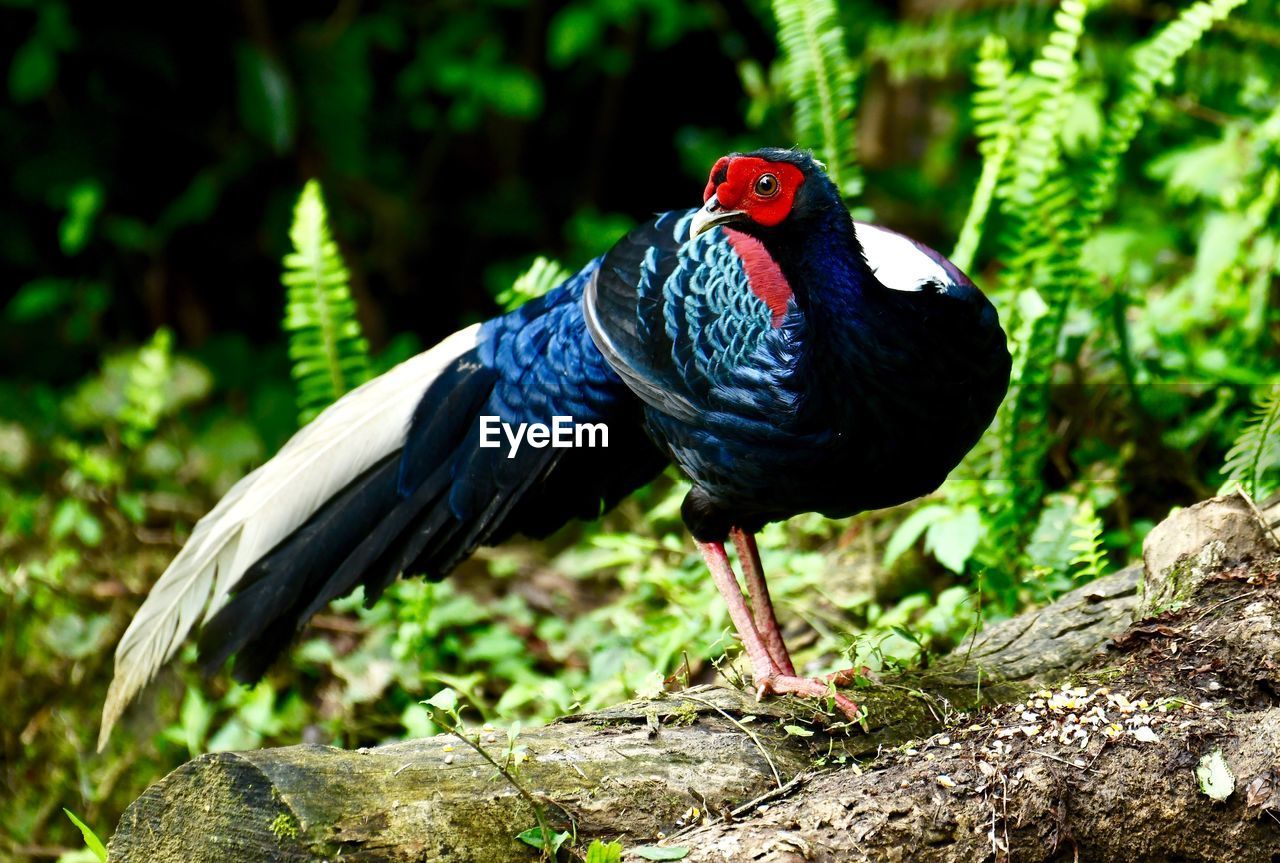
<point>931,777</point>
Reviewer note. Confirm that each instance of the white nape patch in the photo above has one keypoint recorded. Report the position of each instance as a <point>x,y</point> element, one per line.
<point>897,261</point>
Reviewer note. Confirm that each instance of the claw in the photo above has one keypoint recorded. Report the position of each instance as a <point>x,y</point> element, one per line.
<point>810,688</point>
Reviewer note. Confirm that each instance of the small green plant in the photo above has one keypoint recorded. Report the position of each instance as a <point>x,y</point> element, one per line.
<point>285,826</point>
<point>328,349</point>
<point>91,840</point>
<point>1088,556</point>
<point>604,852</point>
<point>447,710</point>
<point>1252,461</point>
<point>543,275</point>
<point>994,124</point>
<point>144,391</point>
<point>817,76</point>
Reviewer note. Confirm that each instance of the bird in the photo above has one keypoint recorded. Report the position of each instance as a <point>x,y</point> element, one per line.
<point>784,357</point>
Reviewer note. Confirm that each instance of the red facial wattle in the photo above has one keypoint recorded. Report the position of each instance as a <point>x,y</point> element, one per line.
<point>718,170</point>
<point>734,181</point>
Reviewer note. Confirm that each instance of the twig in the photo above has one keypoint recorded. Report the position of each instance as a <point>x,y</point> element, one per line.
<point>1257,513</point>
<point>777,793</point>
<point>1064,761</point>
<point>744,729</point>
<point>1239,596</point>
<point>751,805</point>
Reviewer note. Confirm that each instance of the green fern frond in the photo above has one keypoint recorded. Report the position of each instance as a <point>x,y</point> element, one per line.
<point>1039,152</point>
<point>326,345</point>
<point>1088,555</point>
<point>1036,203</point>
<point>1065,219</point>
<point>818,77</point>
<point>930,48</point>
<point>1256,452</point>
<point>543,275</point>
<point>995,125</point>
<point>1051,217</point>
<point>995,100</point>
<point>144,390</point>
<point>1150,63</point>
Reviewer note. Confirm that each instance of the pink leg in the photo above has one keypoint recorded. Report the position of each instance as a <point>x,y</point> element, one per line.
<point>762,665</point>
<point>761,604</point>
<point>764,670</point>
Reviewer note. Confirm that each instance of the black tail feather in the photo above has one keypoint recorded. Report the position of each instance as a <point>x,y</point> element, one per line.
<point>340,547</point>
<point>366,560</point>
<point>425,509</point>
<point>281,583</point>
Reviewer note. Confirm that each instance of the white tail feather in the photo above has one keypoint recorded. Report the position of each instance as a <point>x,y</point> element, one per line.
<point>266,506</point>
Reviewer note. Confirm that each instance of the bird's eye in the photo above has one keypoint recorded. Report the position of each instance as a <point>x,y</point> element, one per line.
<point>767,186</point>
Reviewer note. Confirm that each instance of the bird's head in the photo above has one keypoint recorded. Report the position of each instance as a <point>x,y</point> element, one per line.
<point>765,191</point>
<point>784,197</point>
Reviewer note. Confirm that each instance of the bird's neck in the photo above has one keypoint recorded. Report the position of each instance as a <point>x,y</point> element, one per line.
<point>833,285</point>
<point>852,322</point>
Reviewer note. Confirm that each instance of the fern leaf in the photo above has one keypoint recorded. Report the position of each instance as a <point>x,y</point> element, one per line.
<point>1051,217</point>
<point>939,44</point>
<point>1088,556</point>
<point>1038,156</point>
<point>1256,452</point>
<point>326,345</point>
<point>1063,273</point>
<point>1033,204</point>
<point>543,275</point>
<point>818,77</point>
<point>1150,63</point>
<point>144,391</point>
<point>995,126</point>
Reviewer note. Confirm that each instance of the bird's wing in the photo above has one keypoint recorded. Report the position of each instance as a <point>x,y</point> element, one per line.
<point>696,326</point>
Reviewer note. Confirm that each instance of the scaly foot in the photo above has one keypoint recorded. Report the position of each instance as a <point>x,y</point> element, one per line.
<point>807,687</point>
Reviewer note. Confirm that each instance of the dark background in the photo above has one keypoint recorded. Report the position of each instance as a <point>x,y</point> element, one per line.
<point>451,144</point>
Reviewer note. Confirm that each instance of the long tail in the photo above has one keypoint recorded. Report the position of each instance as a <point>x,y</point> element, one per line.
<point>394,478</point>
<point>333,480</point>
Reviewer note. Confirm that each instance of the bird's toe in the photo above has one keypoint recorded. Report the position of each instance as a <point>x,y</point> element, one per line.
<point>809,687</point>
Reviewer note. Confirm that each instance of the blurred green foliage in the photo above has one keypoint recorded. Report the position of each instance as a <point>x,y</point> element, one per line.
<point>1112,181</point>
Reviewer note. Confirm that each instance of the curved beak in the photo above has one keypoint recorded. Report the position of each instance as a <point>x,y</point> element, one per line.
<point>710,215</point>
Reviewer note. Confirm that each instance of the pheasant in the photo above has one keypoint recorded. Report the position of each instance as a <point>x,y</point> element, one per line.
<point>785,358</point>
